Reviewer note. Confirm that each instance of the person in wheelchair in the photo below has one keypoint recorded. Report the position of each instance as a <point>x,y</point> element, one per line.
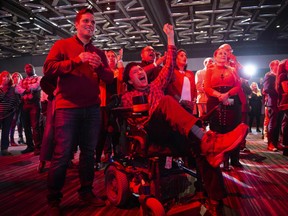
<point>165,110</point>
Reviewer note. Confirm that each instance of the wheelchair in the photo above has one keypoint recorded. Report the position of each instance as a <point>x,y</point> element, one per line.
<point>144,170</point>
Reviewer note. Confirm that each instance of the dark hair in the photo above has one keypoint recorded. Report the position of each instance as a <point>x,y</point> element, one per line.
<point>81,12</point>
<point>112,52</point>
<point>178,51</point>
<point>143,49</point>
<point>126,72</point>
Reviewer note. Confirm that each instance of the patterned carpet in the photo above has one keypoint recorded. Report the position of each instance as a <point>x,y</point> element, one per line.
<point>260,188</point>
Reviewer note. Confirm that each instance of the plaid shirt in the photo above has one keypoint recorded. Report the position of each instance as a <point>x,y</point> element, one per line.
<point>155,90</point>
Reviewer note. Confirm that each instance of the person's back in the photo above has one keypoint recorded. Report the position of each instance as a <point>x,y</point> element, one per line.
<point>269,88</point>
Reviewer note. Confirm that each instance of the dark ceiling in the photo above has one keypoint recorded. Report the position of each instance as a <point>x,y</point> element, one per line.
<point>30,27</point>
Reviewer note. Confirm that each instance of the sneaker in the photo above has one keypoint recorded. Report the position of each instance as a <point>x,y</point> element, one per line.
<point>215,145</point>
<point>90,199</point>
<point>41,166</point>
<point>271,147</point>
<point>27,150</point>
<point>5,153</point>
<point>245,150</point>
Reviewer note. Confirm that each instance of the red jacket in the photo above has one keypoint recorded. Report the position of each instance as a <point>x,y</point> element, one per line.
<point>175,86</point>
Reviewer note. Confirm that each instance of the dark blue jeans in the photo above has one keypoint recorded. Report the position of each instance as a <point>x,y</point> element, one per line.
<point>273,126</point>
<point>48,143</point>
<point>17,121</point>
<point>71,125</point>
<point>6,124</point>
<point>31,119</point>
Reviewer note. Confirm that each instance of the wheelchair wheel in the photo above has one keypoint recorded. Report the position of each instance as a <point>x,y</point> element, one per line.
<point>117,187</point>
<point>152,208</point>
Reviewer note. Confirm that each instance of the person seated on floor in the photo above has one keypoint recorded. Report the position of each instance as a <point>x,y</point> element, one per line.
<point>164,110</point>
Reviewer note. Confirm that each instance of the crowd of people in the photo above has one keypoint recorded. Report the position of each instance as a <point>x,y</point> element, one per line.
<point>69,109</point>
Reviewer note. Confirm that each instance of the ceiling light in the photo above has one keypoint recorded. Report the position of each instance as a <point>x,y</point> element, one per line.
<point>278,26</point>
<point>250,69</point>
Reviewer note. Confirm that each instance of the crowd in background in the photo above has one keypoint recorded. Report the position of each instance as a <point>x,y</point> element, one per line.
<point>26,106</point>
<point>263,106</point>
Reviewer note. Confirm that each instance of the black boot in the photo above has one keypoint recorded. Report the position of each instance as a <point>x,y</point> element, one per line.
<point>28,150</point>
<point>226,166</point>
<point>285,151</point>
<point>235,159</point>
<point>21,140</point>
<point>41,166</point>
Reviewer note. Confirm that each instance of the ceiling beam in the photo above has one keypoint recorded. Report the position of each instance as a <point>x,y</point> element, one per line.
<point>11,50</point>
<point>160,14</point>
<point>17,9</point>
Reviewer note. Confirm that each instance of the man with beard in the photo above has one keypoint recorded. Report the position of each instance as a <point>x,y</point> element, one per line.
<point>29,89</point>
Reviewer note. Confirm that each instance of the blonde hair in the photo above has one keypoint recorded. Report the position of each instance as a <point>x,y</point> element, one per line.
<point>258,92</point>
<point>17,73</point>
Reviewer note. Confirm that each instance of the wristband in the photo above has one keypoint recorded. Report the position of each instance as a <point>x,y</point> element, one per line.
<point>155,64</point>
